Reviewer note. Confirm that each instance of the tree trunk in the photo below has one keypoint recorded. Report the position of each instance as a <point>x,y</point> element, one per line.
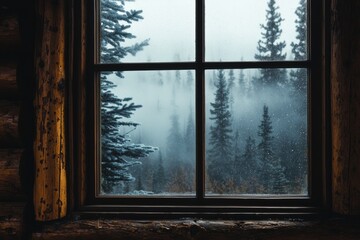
<point>49,147</point>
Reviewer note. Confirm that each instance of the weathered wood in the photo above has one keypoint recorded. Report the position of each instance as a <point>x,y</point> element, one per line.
<point>10,228</point>
<point>10,186</point>
<point>9,34</point>
<point>345,106</point>
<point>50,199</point>
<point>8,85</point>
<point>192,230</point>
<point>9,116</point>
<point>11,220</point>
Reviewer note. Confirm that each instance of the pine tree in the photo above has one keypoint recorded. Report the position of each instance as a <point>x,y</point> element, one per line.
<point>220,151</point>
<point>265,150</point>
<point>241,82</point>
<point>189,138</point>
<point>249,164</point>
<point>278,179</point>
<point>231,85</point>
<point>299,77</point>
<point>298,80</point>
<point>159,177</point>
<point>118,153</point>
<point>270,48</point>
<point>174,141</point>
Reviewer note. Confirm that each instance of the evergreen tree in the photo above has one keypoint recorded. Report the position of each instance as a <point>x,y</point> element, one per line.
<point>238,168</point>
<point>118,153</point>
<point>249,165</point>
<point>270,48</point>
<point>220,151</point>
<point>265,150</point>
<point>241,82</point>
<point>299,77</point>
<point>159,177</point>
<point>174,141</point>
<point>278,179</point>
<point>298,80</point>
<point>189,138</point>
<point>231,85</point>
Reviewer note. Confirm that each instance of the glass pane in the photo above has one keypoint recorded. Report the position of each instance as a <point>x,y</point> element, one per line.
<point>256,132</point>
<point>255,30</point>
<point>148,133</point>
<point>147,31</point>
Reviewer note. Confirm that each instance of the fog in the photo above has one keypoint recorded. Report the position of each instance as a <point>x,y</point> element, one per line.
<point>232,29</point>
<point>232,32</point>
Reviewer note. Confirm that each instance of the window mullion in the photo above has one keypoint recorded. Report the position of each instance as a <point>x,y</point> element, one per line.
<point>200,99</point>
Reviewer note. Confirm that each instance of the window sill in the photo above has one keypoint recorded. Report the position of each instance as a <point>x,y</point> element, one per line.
<point>329,229</point>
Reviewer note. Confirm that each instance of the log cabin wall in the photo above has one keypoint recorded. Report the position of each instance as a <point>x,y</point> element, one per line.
<point>16,118</point>
<point>12,200</point>
<point>17,134</point>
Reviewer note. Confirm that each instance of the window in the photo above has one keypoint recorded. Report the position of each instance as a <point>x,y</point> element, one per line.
<point>200,105</point>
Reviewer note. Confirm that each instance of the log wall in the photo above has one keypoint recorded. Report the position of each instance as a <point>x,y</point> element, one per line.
<point>345,125</point>
<point>12,197</point>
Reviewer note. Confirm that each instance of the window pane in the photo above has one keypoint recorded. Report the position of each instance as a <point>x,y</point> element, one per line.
<point>147,31</point>
<point>256,132</point>
<point>148,133</point>
<point>253,30</point>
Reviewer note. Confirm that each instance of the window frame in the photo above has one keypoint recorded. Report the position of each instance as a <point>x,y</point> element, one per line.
<point>86,95</point>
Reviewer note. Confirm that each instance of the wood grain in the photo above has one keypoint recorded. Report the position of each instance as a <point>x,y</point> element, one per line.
<point>200,230</point>
<point>345,106</point>
<point>8,85</point>
<point>50,199</point>
<point>10,187</point>
<point>9,33</point>
<point>9,120</point>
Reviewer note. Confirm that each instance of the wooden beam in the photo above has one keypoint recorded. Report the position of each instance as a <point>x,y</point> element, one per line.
<point>10,186</point>
<point>8,85</point>
<point>345,106</point>
<point>11,220</point>
<point>9,34</point>
<point>50,196</point>
<point>9,116</point>
<point>200,229</point>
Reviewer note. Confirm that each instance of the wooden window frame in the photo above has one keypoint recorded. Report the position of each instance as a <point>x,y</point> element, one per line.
<point>84,143</point>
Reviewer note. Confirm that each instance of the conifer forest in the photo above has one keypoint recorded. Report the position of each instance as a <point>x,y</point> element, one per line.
<point>256,119</point>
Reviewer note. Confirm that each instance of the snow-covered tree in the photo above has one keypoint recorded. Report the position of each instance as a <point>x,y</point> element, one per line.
<point>270,48</point>
<point>220,147</point>
<point>118,152</point>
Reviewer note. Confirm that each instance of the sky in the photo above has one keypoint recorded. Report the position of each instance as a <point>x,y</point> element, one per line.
<point>232,29</point>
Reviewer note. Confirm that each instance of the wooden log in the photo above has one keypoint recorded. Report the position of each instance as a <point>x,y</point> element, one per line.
<point>10,228</point>
<point>8,85</point>
<point>50,199</point>
<point>196,230</point>
<point>9,116</point>
<point>345,106</point>
<point>10,186</point>
<point>9,34</point>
